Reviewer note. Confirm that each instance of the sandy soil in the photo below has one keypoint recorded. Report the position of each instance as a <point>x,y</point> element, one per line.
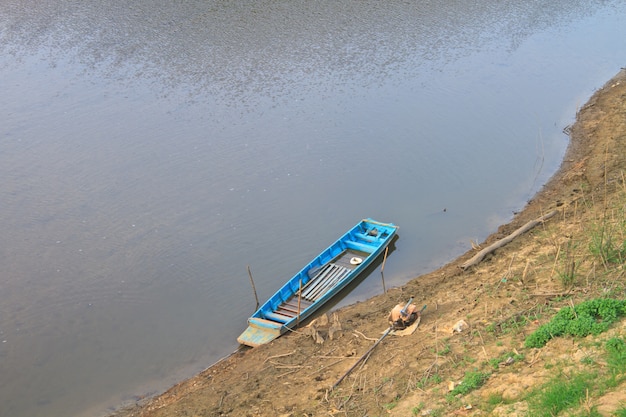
<point>410,375</point>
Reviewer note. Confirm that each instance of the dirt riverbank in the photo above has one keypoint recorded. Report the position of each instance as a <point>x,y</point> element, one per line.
<point>502,299</point>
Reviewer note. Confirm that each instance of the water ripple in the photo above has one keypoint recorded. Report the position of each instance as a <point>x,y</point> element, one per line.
<point>237,48</point>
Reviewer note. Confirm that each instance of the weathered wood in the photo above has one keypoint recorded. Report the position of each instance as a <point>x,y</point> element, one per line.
<point>476,259</point>
<point>321,275</point>
<point>382,268</point>
<point>330,278</point>
<point>286,311</point>
<point>323,289</point>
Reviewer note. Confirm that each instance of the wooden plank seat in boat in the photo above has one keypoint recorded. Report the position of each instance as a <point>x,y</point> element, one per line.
<point>275,316</point>
<point>324,280</point>
<point>287,310</point>
<point>293,306</point>
<point>293,303</point>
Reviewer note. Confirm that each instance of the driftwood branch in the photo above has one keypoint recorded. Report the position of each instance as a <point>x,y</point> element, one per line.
<point>481,255</point>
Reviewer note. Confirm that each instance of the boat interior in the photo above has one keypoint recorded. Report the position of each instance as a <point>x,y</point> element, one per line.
<point>322,280</point>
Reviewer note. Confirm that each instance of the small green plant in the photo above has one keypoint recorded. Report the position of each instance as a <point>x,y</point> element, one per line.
<point>429,380</point>
<point>495,399</point>
<point>616,351</point>
<point>587,360</point>
<point>472,380</point>
<point>567,275</point>
<point>416,410</point>
<point>391,405</point>
<point>589,317</point>
<point>469,359</point>
<point>438,412</point>
<point>504,358</point>
<point>514,324</point>
<point>607,245</point>
<point>511,325</point>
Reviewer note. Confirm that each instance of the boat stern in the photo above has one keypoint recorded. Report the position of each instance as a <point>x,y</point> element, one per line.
<point>260,332</point>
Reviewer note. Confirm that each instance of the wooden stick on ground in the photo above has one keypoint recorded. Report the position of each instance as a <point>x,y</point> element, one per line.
<point>365,355</point>
<point>481,255</point>
<point>282,355</point>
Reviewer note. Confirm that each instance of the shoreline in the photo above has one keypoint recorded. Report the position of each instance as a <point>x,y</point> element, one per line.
<point>242,380</point>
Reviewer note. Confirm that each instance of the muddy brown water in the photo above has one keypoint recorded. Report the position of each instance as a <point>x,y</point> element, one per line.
<point>150,153</point>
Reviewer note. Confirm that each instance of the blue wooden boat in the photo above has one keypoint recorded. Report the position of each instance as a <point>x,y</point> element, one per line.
<point>318,282</point>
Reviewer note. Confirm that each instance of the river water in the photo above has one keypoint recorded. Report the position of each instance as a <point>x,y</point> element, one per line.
<point>151,151</point>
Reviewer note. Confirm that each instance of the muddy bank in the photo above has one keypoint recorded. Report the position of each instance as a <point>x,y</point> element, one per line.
<point>292,376</point>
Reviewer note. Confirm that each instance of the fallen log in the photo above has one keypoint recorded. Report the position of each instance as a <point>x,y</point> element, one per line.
<point>481,255</point>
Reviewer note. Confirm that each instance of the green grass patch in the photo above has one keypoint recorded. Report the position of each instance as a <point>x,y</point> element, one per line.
<point>472,380</point>
<point>559,394</point>
<point>589,317</point>
<point>616,355</point>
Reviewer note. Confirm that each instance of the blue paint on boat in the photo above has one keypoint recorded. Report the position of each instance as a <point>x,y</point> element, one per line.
<point>320,280</point>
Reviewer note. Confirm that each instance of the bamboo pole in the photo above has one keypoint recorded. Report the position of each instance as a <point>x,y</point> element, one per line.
<point>299,301</point>
<point>256,297</point>
<point>382,270</point>
<point>383,279</point>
